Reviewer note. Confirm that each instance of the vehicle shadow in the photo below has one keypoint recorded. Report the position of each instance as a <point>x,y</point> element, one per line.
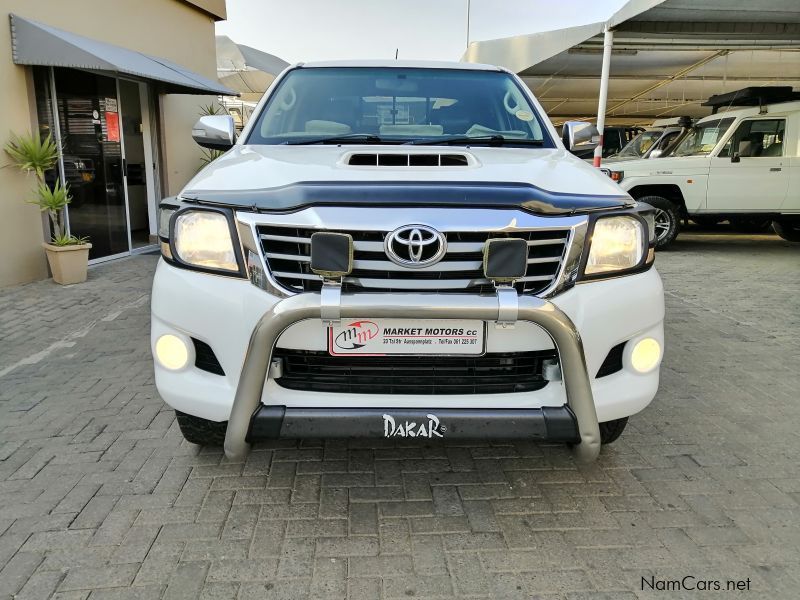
<point>695,238</point>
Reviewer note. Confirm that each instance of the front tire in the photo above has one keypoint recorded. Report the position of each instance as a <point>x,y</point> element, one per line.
<point>201,431</point>
<point>667,219</point>
<point>611,430</point>
<point>790,231</point>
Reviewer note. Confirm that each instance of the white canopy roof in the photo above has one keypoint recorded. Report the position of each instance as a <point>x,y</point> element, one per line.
<point>668,57</point>
<point>247,70</point>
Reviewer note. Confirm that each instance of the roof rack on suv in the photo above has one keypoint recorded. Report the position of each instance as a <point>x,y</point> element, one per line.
<point>753,96</point>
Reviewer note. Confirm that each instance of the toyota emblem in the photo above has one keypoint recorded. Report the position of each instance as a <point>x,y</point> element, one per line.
<point>415,246</point>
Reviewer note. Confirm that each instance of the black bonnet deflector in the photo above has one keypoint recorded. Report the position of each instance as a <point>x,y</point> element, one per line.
<point>402,193</point>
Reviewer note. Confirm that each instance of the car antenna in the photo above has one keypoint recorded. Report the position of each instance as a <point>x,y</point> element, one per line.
<point>396,52</point>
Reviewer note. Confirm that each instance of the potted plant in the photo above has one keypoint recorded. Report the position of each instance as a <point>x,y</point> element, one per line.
<point>67,255</point>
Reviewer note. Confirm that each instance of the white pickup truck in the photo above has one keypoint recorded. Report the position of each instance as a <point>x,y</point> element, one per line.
<point>403,250</point>
<point>740,165</point>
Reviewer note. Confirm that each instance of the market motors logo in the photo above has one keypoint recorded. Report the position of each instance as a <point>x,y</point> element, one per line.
<point>412,429</point>
<point>357,334</point>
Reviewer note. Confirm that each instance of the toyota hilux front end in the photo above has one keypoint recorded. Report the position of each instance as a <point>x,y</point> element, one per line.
<point>403,250</point>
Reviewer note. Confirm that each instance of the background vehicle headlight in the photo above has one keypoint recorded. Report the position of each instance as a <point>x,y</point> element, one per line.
<point>617,244</point>
<point>203,239</point>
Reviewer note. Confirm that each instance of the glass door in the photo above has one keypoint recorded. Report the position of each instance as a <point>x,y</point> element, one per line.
<point>137,160</point>
<point>88,111</point>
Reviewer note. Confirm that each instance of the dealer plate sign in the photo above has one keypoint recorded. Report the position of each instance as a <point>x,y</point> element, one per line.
<point>379,337</point>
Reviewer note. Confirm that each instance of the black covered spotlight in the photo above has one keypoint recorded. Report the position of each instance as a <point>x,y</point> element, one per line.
<point>505,260</point>
<point>331,254</point>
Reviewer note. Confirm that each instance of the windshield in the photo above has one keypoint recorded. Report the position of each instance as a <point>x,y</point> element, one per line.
<point>359,105</point>
<point>702,138</point>
<point>639,145</point>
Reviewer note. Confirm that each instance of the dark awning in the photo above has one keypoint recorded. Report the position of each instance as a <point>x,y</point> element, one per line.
<point>34,43</point>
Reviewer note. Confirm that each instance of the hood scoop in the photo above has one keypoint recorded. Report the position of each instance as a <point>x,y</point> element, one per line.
<point>410,159</point>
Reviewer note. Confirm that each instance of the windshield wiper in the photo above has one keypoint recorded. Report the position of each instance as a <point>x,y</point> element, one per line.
<point>363,138</point>
<point>491,140</point>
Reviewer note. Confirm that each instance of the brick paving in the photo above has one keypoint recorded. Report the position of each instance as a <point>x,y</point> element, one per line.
<point>100,497</point>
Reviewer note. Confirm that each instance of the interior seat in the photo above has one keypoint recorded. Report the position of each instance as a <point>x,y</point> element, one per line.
<point>752,145</point>
<point>774,149</point>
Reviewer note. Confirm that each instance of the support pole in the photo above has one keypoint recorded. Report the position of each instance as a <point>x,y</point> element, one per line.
<point>469,11</point>
<point>608,43</point>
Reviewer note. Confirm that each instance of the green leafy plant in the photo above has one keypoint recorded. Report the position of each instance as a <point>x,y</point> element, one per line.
<point>31,153</point>
<point>210,155</point>
<point>53,201</point>
<point>69,240</point>
<point>211,109</point>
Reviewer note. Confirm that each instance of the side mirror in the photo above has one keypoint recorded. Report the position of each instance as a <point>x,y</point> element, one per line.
<point>656,153</point>
<point>214,131</point>
<point>736,157</point>
<point>579,135</point>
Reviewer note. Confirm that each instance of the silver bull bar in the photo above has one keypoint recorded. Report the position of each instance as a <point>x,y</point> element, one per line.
<point>421,306</point>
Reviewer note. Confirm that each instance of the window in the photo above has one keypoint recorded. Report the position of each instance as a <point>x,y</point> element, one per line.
<point>756,137</point>
<point>396,105</point>
<point>639,145</point>
<point>702,138</point>
<point>666,141</point>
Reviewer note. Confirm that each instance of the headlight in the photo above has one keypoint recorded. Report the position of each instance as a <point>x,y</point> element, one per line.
<point>617,245</point>
<point>203,239</point>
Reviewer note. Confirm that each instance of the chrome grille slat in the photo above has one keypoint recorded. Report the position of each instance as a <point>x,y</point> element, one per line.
<point>415,284</point>
<point>443,266</point>
<point>539,261</point>
<point>547,242</point>
<point>289,275</point>
<point>297,257</point>
<point>286,238</point>
<point>286,253</point>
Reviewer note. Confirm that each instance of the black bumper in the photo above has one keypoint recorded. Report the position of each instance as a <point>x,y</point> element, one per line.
<point>555,424</point>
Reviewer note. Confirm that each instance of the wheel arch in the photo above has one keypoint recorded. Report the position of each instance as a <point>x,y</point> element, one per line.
<point>670,191</point>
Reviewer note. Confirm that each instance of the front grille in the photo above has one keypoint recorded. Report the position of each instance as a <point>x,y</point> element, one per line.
<point>287,250</point>
<point>495,373</point>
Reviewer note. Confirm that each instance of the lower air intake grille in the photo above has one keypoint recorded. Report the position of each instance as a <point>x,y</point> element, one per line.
<point>495,373</point>
<point>613,362</point>
<point>205,359</point>
<point>287,250</point>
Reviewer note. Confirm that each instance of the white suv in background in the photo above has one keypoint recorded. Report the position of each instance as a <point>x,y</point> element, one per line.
<point>740,165</point>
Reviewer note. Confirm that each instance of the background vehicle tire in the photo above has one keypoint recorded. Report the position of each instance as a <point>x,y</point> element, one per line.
<point>201,431</point>
<point>787,230</point>
<point>753,225</point>
<point>611,430</point>
<point>667,217</point>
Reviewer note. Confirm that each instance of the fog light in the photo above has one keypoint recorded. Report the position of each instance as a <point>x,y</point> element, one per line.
<point>172,352</point>
<point>645,355</point>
